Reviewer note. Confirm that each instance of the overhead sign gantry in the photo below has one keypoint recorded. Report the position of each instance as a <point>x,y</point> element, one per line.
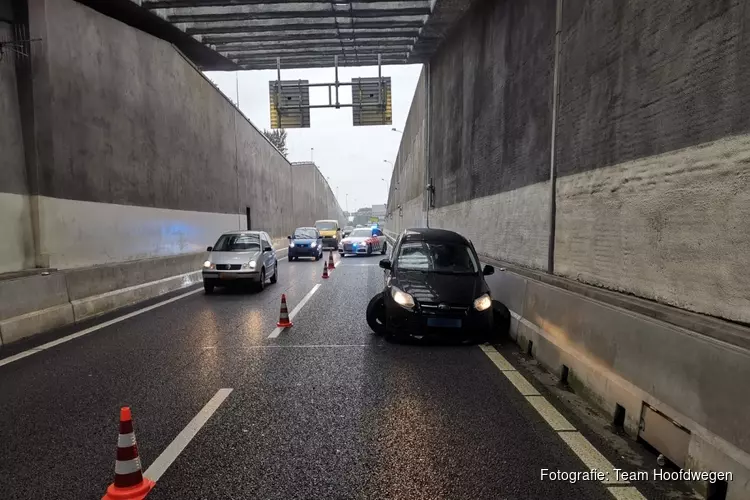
<point>290,99</point>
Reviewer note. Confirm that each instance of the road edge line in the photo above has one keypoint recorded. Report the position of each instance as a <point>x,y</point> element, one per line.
<point>91,329</point>
<point>570,436</point>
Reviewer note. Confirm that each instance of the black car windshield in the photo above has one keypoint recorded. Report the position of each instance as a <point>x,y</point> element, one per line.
<point>237,243</point>
<point>305,234</point>
<point>360,233</point>
<point>437,257</point>
<point>325,225</point>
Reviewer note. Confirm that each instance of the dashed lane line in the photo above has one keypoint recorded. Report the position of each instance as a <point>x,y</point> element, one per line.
<point>296,309</point>
<point>170,454</point>
<point>578,444</point>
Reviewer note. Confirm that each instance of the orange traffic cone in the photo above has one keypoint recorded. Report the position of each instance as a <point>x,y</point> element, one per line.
<point>330,261</point>
<point>325,271</point>
<point>129,481</point>
<point>284,321</point>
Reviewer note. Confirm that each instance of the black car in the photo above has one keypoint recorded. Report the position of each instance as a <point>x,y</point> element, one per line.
<point>434,288</point>
<point>305,242</point>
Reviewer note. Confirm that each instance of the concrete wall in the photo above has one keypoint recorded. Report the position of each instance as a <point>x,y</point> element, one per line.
<point>651,145</point>
<point>17,243</point>
<point>652,197</point>
<point>650,201</point>
<point>136,154</point>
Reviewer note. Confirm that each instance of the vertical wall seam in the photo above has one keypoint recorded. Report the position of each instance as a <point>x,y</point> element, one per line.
<point>553,158</point>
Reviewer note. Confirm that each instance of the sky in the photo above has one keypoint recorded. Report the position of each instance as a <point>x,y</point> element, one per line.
<point>352,158</point>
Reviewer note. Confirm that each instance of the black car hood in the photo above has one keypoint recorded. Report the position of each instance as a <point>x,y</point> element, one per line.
<point>455,289</point>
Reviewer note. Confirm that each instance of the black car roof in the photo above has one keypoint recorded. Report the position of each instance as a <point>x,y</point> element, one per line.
<point>429,234</point>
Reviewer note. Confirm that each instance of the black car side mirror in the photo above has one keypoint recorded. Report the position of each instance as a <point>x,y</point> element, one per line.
<point>268,249</point>
<point>488,270</point>
<point>385,264</point>
<point>209,249</point>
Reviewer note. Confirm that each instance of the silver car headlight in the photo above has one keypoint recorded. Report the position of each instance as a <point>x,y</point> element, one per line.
<point>248,265</point>
<point>402,298</point>
<point>208,265</point>
<point>483,303</point>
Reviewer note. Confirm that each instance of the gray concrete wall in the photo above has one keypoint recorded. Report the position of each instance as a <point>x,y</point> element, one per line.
<point>651,145</point>
<point>16,244</point>
<point>136,154</point>
<point>652,197</point>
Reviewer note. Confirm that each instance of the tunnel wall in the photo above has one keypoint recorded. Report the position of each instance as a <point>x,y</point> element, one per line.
<point>17,242</point>
<point>652,198</point>
<point>653,189</point>
<point>138,154</point>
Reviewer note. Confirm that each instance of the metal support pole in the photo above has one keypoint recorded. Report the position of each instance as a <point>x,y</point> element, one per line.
<point>553,159</point>
<point>336,69</point>
<point>277,97</point>
<point>380,89</point>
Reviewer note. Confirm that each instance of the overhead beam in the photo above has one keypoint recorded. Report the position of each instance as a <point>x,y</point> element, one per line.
<point>309,36</point>
<point>250,27</point>
<point>320,51</point>
<point>359,42</point>
<point>169,4</point>
<point>299,63</point>
<point>387,15</point>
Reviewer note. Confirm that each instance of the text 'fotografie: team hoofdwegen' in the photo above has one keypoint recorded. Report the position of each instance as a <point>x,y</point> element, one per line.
<point>623,475</point>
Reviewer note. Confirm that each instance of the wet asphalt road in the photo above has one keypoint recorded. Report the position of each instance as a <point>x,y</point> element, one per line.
<point>324,411</point>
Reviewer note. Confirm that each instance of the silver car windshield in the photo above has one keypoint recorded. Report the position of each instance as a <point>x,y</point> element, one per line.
<point>237,243</point>
<point>360,233</point>
<point>448,258</point>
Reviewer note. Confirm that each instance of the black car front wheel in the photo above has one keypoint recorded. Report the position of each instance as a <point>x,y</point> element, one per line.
<point>376,314</point>
<point>262,283</point>
<point>384,249</point>
<point>275,276</point>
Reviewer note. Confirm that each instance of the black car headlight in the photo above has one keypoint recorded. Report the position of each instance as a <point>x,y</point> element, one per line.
<point>402,298</point>
<point>483,302</point>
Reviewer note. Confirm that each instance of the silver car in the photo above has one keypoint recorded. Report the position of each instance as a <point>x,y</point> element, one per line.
<point>240,257</point>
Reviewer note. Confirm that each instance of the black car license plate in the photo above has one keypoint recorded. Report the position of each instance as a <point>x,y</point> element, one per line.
<point>444,322</point>
<point>227,276</point>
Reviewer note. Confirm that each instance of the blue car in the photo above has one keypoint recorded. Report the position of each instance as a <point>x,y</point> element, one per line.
<point>305,242</point>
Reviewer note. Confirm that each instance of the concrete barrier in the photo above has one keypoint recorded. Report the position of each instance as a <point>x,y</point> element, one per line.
<point>696,382</point>
<point>37,303</point>
<point>32,304</point>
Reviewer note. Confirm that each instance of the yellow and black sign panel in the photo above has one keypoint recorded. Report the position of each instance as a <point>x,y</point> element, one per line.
<point>371,101</point>
<point>290,103</point>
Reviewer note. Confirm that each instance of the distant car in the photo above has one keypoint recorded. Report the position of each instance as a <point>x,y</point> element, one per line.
<point>305,242</point>
<point>330,230</point>
<point>363,241</point>
<point>240,257</point>
<point>434,288</point>
<point>347,230</point>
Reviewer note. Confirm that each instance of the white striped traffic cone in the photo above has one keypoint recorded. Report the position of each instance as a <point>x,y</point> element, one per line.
<point>325,271</point>
<point>284,321</point>
<point>129,481</point>
<point>331,265</point>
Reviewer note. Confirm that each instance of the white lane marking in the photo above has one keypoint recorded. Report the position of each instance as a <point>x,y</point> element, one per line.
<point>577,443</point>
<point>168,456</point>
<point>550,414</point>
<point>521,384</point>
<point>625,493</point>
<point>94,328</point>
<point>590,455</point>
<point>294,312</point>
